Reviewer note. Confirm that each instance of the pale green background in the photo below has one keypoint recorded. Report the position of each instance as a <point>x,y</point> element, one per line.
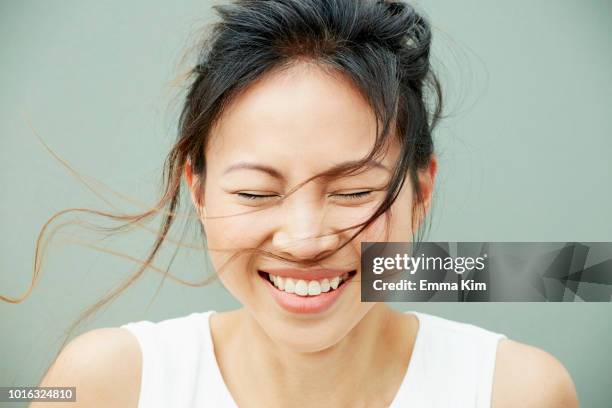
<point>525,156</point>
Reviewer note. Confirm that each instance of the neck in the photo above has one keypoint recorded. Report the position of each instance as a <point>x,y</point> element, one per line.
<point>355,369</point>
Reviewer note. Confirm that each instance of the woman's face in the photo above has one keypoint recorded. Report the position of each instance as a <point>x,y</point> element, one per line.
<point>287,127</point>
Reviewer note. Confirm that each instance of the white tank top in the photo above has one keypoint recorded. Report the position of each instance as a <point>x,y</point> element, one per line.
<point>452,365</point>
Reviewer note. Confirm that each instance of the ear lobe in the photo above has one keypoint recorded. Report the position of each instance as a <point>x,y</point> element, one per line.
<point>427,180</point>
<point>194,187</point>
<point>188,173</point>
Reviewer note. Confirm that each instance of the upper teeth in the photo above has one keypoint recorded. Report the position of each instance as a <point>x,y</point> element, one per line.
<point>304,288</point>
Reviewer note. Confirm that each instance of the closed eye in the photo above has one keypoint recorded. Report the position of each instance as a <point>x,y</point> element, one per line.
<point>353,196</point>
<point>250,196</point>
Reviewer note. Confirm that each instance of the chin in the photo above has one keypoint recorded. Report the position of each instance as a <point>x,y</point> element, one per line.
<point>314,335</point>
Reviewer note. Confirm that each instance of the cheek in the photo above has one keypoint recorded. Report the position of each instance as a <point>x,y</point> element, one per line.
<point>226,239</point>
<point>375,232</point>
<point>396,224</point>
<point>229,226</point>
<point>232,232</point>
<point>229,231</point>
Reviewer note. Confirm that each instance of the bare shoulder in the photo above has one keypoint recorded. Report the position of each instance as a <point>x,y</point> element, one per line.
<point>526,376</point>
<point>103,364</point>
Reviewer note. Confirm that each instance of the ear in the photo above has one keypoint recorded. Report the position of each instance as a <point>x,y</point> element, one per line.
<point>195,188</point>
<point>427,178</point>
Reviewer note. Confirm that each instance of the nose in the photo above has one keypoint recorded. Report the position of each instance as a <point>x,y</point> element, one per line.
<point>303,233</point>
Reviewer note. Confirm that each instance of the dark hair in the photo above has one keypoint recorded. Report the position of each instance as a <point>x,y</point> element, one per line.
<point>383,47</point>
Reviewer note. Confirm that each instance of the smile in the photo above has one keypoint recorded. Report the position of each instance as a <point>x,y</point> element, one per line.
<point>303,287</point>
<point>313,295</point>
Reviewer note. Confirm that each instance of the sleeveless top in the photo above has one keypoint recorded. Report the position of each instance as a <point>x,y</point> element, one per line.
<point>451,366</point>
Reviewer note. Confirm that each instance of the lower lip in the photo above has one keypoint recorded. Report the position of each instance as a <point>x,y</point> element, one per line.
<point>304,304</point>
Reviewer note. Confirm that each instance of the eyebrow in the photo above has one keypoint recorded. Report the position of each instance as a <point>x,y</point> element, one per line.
<point>276,174</point>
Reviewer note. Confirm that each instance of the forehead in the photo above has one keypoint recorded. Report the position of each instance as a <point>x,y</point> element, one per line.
<point>300,117</point>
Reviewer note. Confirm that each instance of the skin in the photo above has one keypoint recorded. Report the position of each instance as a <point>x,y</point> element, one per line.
<point>300,121</point>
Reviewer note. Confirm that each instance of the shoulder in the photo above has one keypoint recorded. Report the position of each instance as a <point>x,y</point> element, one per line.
<point>103,364</point>
<point>527,376</point>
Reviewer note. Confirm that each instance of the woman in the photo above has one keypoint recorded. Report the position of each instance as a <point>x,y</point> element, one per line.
<point>307,130</point>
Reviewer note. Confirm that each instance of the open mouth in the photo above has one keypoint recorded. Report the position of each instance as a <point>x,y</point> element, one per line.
<point>307,288</point>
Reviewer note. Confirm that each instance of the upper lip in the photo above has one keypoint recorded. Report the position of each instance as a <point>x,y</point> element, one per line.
<point>307,274</point>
